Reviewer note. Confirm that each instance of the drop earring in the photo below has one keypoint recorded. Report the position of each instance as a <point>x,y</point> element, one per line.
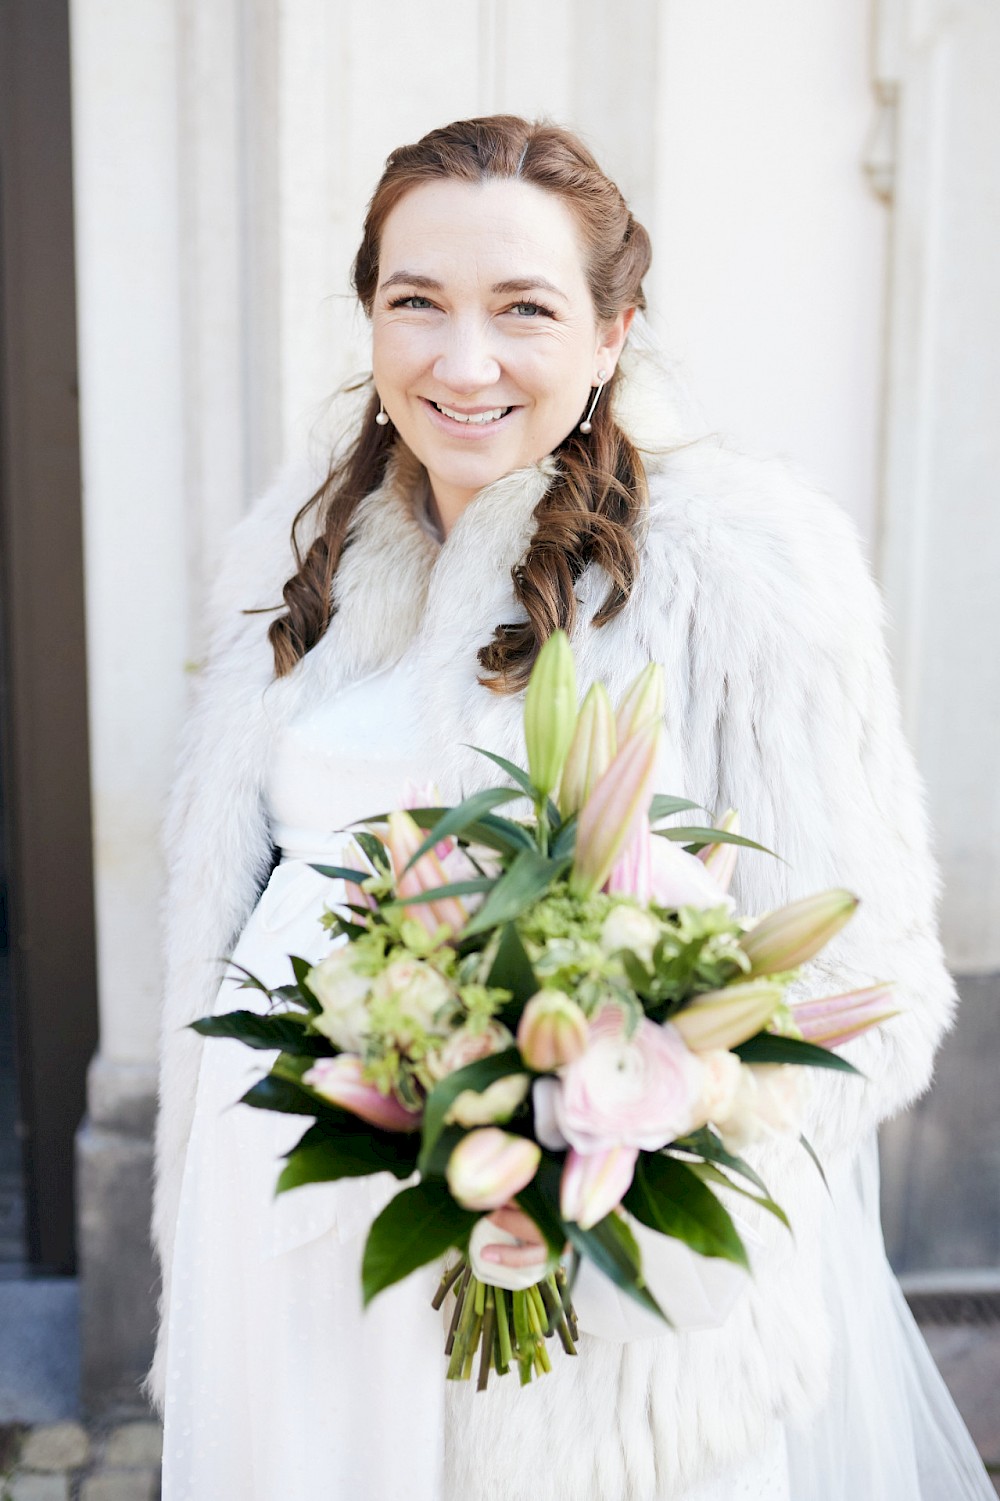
<point>381,416</point>
<point>586,426</point>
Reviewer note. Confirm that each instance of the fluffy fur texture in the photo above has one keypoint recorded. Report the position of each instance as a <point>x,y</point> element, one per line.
<point>754,596</point>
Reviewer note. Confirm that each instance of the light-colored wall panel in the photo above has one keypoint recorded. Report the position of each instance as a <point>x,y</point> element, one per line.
<point>941,539</point>
<point>769,271</point>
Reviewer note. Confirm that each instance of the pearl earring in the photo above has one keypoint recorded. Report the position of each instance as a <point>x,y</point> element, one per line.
<point>586,426</point>
<point>381,416</point>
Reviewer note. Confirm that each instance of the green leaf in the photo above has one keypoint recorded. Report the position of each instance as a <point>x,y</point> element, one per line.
<point>709,1174</point>
<point>342,873</point>
<point>768,1047</point>
<point>516,773</point>
<point>500,834</point>
<point>612,1248</point>
<point>708,1145</point>
<point>273,1093</point>
<point>494,832</point>
<point>819,1166</point>
<point>540,1200</point>
<point>699,837</point>
<point>282,1032</point>
<point>662,806</point>
<point>300,969</point>
<point>415,1227</point>
<point>511,969</point>
<point>564,842</point>
<point>457,820</point>
<point>476,1076</point>
<point>667,1196</point>
<point>325,1154</point>
<point>454,888</point>
<point>373,847</point>
<point>529,877</point>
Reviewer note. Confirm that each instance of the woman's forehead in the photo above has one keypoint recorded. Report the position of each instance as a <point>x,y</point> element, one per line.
<point>500,234</point>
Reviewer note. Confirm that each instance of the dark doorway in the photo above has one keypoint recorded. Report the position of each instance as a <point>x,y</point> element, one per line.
<point>48,1014</point>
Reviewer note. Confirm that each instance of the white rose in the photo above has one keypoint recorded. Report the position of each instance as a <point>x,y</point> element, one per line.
<point>343,995</point>
<point>628,927</point>
<point>497,1102</point>
<point>420,992</point>
<point>768,1102</point>
<point>720,1084</point>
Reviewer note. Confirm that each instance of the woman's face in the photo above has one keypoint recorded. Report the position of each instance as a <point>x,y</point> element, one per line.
<point>485,340</point>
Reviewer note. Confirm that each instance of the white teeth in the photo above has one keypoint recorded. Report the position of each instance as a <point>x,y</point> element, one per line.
<point>478,417</point>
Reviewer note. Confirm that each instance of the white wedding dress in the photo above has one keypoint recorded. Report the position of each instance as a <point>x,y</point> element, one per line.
<point>281,1388</point>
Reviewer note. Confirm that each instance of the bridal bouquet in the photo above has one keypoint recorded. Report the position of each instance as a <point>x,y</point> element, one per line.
<point>562,1011</point>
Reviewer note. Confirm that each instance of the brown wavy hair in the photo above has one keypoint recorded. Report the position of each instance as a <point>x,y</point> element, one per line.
<point>593,507</point>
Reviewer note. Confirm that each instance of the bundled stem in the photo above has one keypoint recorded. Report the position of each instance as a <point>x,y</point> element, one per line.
<point>506,1328</point>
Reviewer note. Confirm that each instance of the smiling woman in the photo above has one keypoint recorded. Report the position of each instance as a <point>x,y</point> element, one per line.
<point>486,342</point>
<point>501,272</point>
<point>491,486</point>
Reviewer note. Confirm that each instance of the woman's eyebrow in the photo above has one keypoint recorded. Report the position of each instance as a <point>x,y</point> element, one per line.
<point>529,284</point>
<point>514,284</point>
<point>412,279</point>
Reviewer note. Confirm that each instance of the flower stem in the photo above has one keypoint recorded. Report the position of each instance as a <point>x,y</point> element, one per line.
<point>447,1282</point>
<point>486,1353</point>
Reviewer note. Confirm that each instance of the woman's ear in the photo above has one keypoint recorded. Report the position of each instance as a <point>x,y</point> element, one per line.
<point>612,339</point>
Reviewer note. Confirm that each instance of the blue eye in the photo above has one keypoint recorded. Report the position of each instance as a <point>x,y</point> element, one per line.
<point>412,300</point>
<point>531,310</point>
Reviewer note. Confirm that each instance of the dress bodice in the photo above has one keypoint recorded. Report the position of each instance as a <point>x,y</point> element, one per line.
<point>366,750</point>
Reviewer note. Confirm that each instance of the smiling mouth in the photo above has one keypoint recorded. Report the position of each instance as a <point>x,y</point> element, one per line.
<point>472,419</point>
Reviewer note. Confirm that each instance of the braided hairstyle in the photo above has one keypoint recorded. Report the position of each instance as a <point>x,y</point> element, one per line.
<point>592,508</point>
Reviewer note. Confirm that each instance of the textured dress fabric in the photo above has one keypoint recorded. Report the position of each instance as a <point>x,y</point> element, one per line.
<point>279,1383</point>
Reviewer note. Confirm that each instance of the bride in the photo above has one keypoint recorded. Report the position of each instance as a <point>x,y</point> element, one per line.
<point>516,466</point>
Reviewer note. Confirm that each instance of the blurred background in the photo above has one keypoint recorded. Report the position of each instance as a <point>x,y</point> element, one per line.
<point>181,190</point>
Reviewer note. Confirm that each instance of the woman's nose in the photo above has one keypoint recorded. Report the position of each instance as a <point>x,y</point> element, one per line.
<point>467,361</point>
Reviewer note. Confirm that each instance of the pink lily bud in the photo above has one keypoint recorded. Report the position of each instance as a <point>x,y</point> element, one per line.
<point>720,859</point>
<point>837,1019</point>
<point>490,1166</point>
<point>426,795</point>
<point>591,750</point>
<point>594,1184</point>
<point>725,1018</point>
<point>341,1081</point>
<point>612,813</point>
<point>643,703</point>
<point>552,1031</point>
<point>788,937</point>
<point>632,873</point>
<point>427,873</point>
<point>358,898</point>
<point>550,711</point>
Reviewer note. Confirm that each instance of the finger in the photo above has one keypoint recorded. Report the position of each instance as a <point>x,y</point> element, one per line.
<point>516,1256</point>
<point>515,1222</point>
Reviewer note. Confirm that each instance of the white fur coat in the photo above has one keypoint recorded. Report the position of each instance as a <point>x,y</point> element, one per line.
<point>754,596</point>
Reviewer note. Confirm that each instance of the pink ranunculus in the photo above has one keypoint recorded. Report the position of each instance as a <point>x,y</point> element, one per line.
<point>640,1091</point>
<point>341,1081</point>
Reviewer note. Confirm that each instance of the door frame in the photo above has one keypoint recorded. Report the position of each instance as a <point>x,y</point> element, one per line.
<point>49,855</point>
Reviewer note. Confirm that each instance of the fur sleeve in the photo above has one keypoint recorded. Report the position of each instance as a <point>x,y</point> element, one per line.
<point>789,713</point>
<point>216,837</point>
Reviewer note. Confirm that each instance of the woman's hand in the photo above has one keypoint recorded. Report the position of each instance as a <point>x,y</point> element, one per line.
<point>531,1247</point>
